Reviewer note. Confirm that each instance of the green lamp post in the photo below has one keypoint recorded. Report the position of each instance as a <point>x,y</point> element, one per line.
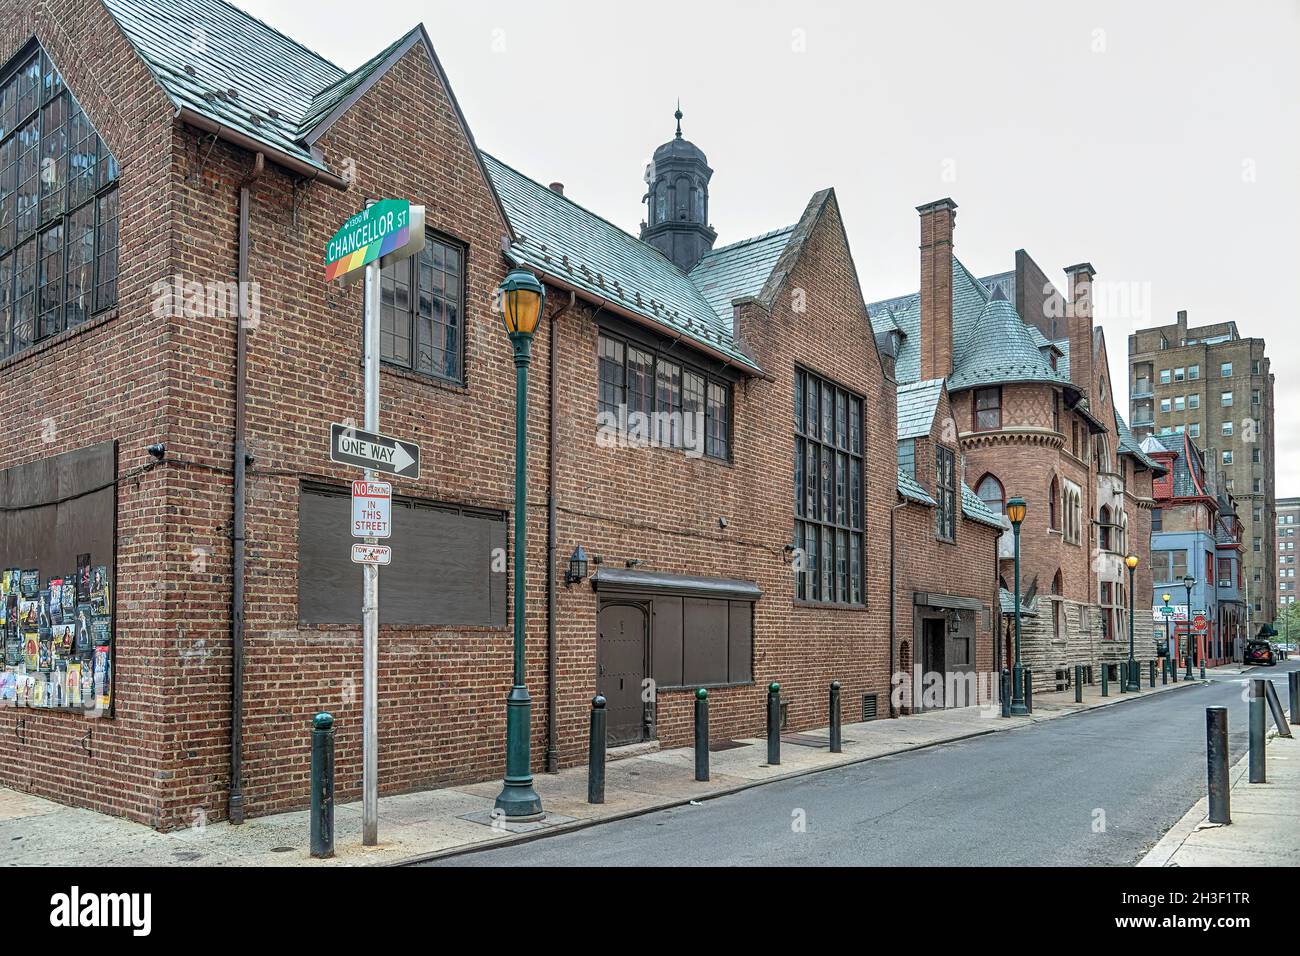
<point>1169,644</point>
<point>522,298</point>
<point>1131,681</point>
<point>1189,582</point>
<point>1016,514</point>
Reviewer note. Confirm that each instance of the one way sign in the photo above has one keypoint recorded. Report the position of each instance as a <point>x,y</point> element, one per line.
<point>352,446</point>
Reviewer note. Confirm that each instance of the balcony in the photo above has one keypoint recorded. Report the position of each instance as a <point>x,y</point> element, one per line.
<point>1142,388</point>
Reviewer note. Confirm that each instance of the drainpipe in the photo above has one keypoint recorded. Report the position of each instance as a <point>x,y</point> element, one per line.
<point>236,806</point>
<point>893,610</point>
<point>552,752</point>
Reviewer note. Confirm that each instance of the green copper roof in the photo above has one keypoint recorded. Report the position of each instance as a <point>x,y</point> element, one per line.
<point>739,269</point>
<point>911,490</point>
<point>232,68</point>
<point>1007,600</point>
<point>973,507</point>
<point>917,404</point>
<point>338,92</point>
<point>556,236</point>
<point>999,350</point>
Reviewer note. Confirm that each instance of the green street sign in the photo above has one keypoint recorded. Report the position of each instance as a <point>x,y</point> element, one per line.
<point>1167,611</point>
<point>390,230</point>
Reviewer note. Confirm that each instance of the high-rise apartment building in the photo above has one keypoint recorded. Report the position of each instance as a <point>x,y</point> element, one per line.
<point>1216,386</point>
<point>1288,532</point>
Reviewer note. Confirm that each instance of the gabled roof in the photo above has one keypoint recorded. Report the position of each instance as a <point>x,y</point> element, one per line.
<point>559,238</point>
<point>1128,445</point>
<point>1007,600</point>
<point>975,509</point>
<point>330,101</point>
<point>917,403</point>
<point>740,269</point>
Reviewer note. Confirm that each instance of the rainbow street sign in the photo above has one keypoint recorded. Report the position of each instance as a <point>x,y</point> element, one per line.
<point>388,230</point>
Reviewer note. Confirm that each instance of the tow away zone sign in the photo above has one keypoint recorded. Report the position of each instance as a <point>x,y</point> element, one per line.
<point>372,554</point>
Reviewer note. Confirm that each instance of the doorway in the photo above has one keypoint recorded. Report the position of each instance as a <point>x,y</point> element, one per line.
<point>621,670</point>
<point>933,660</point>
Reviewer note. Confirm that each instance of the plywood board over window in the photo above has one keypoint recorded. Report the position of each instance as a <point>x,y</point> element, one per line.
<point>448,564</point>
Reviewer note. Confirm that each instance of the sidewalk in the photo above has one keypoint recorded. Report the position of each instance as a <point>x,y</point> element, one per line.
<point>426,824</point>
<point>1265,828</point>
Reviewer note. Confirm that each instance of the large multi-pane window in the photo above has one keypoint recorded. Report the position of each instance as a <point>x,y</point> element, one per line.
<point>945,494</point>
<point>422,311</point>
<point>684,406</point>
<point>828,490</point>
<point>58,208</point>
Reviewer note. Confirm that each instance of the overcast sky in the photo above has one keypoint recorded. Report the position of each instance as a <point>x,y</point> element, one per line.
<point>1159,141</point>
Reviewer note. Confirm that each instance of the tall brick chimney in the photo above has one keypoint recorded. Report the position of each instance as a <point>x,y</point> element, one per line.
<point>1182,327</point>
<point>1080,324</point>
<point>937,221</point>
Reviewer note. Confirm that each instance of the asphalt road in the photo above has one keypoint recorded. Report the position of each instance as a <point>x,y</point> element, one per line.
<point>1094,789</point>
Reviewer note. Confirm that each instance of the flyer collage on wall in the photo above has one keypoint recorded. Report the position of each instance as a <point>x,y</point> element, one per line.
<point>58,638</point>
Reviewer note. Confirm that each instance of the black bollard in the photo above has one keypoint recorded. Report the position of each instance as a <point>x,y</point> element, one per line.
<point>1078,683</point>
<point>774,723</point>
<point>1202,668</point>
<point>1005,687</point>
<point>1164,671</point>
<point>1293,682</point>
<point>836,742</point>
<point>596,751</point>
<point>1105,684</point>
<point>1029,690</point>
<point>1275,706</point>
<point>1257,694</point>
<point>1151,668</point>
<point>1121,671</point>
<point>322,786</point>
<point>701,734</point>
<point>1216,750</point>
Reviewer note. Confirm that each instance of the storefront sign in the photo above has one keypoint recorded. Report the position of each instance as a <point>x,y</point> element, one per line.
<point>372,554</point>
<point>389,230</point>
<point>372,510</point>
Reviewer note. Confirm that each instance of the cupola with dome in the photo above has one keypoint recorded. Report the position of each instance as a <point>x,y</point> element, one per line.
<point>677,197</point>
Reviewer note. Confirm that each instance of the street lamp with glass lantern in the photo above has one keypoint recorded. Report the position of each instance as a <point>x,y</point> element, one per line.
<point>1169,616</point>
<point>1016,514</point>
<point>1130,678</point>
<point>522,298</point>
<point>1189,582</point>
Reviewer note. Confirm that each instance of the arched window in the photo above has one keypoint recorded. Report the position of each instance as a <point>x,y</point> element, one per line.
<point>1058,607</point>
<point>1058,585</point>
<point>1104,529</point>
<point>990,492</point>
<point>1054,505</point>
<point>1100,454</point>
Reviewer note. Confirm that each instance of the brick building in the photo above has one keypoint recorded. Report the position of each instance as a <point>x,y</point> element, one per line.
<point>714,427</point>
<point>1027,377</point>
<point>1288,518</point>
<point>1210,383</point>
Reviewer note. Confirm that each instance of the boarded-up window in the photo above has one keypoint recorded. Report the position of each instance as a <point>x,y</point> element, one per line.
<point>702,641</point>
<point>442,573</point>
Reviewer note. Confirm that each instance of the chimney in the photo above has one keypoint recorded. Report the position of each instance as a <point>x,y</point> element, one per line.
<point>1182,327</point>
<point>557,188</point>
<point>1079,320</point>
<point>937,221</point>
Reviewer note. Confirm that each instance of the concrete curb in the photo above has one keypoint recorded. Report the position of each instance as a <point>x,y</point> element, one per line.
<point>467,849</point>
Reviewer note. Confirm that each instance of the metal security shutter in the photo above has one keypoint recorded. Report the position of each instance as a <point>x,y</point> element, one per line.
<point>441,573</point>
<point>704,655</point>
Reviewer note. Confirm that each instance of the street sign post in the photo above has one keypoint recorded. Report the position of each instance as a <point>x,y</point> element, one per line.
<point>366,449</point>
<point>1199,623</point>
<point>383,233</point>
<point>372,509</point>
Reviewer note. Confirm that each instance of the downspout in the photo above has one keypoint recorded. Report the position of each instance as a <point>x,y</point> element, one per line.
<point>893,607</point>
<point>236,807</point>
<point>552,752</point>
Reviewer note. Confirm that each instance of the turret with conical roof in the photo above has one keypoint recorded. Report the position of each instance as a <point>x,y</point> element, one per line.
<point>677,197</point>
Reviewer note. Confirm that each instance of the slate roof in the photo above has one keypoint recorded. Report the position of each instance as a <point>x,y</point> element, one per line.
<point>909,488</point>
<point>740,269</point>
<point>974,508</point>
<point>230,67</point>
<point>1128,445</point>
<point>1008,602</point>
<point>999,348</point>
<point>557,236</point>
<point>917,403</point>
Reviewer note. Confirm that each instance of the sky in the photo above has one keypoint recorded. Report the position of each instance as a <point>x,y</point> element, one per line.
<point>1159,141</point>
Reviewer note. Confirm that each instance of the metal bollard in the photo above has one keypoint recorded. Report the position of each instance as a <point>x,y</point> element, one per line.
<point>596,751</point>
<point>836,741</point>
<point>1029,690</point>
<point>1120,673</point>
<point>1105,681</point>
<point>1092,678</point>
<point>322,786</point>
<point>774,724</point>
<point>1164,671</point>
<point>1202,667</point>
<point>1151,667</point>
<point>701,734</point>
<point>1005,686</point>
<point>1216,751</point>
<point>1293,682</point>
<point>1275,706</point>
<point>1078,683</point>
<point>1257,694</point>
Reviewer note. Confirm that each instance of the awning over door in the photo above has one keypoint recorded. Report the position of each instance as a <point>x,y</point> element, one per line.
<point>949,601</point>
<point>685,585</point>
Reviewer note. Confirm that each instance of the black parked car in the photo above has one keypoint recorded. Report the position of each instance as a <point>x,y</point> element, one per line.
<point>1260,652</point>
